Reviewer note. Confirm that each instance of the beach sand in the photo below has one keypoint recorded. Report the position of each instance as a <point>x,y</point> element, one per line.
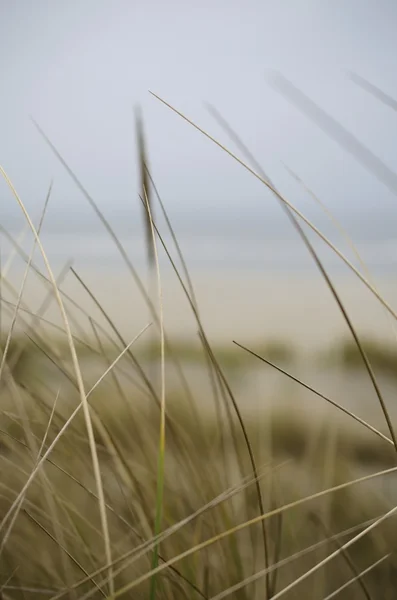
<point>246,306</point>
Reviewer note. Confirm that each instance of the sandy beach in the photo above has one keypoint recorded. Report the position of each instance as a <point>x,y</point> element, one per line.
<point>246,306</point>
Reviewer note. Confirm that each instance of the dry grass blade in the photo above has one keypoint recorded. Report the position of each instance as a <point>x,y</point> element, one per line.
<point>1,284</point>
<point>145,188</point>
<point>36,322</point>
<point>319,394</point>
<point>38,273</point>
<point>336,132</point>
<point>27,590</point>
<point>249,449</point>
<point>50,420</point>
<point>65,550</point>
<point>7,581</point>
<point>4,269</point>
<point>340,550</point>
<point>287,203</point>
<point>358,577</point>
<point>372,89</point>
<point>118,334</point>
<point>333,220</point>
<point>77,340</point>
<point>239,142</point>
<point>161,455</point>
<point>116,360</point>
<point>175,240</point>
<point>147,206</point>
<point>13,253</point>
<point>22,288</point>
<point>80,309</point>
<point>344,554</point>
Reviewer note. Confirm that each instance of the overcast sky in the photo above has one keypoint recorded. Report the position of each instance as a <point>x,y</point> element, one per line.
<point>79,66</point>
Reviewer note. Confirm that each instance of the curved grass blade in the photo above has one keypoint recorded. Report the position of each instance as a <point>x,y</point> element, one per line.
<point>161,454</point>
<point>24,280</point>
<point>358,577</point>
<point>372,89</point>
<point>319,394</point>
<point>336,132</point>
<point>345,555</point>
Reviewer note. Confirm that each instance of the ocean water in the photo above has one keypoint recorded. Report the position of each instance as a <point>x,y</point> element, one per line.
<point>214,251</point>
<point>246,236</point>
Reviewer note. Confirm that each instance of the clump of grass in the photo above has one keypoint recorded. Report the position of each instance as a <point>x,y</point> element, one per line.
<point>25,353</point>
<point>190,351</point>
<point>194,476</point>
<point>112,513</point>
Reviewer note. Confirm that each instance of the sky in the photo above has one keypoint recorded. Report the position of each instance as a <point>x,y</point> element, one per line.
<point>79,68</point>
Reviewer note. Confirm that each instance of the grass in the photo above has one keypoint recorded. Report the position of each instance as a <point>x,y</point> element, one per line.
<point>24,353</point>
<point>383,356</point>
<point>113,486</point>
<point>202,461</point>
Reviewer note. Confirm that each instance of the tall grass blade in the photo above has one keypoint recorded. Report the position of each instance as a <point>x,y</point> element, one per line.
<point>317,393</point>
<point>372,89</point>
<point>336,132</point>
<point>357,577</point>
<point>161,454</point>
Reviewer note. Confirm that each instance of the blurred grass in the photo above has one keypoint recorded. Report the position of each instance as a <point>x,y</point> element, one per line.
<point>227,356</point>
<point>24,352</point>
<point>201,463</point>
<point>383,356</point>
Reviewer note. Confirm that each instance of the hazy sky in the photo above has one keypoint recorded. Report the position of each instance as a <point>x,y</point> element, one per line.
<point>80,66</point>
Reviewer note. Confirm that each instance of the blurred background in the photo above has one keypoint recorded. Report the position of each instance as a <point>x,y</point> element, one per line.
<point>305,94</point>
